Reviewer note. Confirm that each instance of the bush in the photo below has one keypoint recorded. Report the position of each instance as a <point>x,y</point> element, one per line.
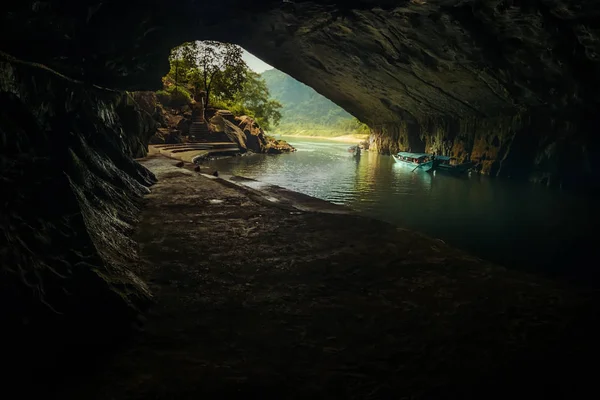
<point>175,97</point>
<point>180,97</point>
<point>164,97</point>
<point>219,104</point>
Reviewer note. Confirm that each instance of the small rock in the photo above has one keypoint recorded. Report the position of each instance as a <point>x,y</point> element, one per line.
<point>197,168</point>
<point>179,164</point>
<point>216,173</point>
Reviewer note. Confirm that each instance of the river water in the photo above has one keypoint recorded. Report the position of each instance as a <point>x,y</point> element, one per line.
<point>517,225</point>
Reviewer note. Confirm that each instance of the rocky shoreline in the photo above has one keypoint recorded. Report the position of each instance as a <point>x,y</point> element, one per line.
<point>219,126</point>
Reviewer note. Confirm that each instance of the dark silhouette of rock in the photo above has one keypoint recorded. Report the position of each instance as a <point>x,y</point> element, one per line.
<point>197,168</point>
<point>216,173</point>
<point>184,126</point>
<point>180,164</point>
<point>67,256</point>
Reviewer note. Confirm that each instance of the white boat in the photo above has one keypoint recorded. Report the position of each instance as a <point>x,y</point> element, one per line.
<point>421,161</point>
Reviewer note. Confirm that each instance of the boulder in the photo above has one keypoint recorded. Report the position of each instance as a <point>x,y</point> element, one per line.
<point>166,136</point>
<point>246,133</point>
<point>184,126</point>
<point>226,114</point>
<point>275,146</point>
<point>218,124</point>
<point>255,136</point>
<point>173,138</point>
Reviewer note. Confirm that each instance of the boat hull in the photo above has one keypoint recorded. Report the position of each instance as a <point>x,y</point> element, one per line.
<point>454,169</point>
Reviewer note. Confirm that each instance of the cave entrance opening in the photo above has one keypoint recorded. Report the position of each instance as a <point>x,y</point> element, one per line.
<point>210,75</point>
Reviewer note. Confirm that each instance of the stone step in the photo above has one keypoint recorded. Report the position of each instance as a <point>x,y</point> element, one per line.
<point>199,129</point>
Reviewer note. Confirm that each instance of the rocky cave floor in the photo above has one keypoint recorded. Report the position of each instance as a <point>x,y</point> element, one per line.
<point>254,300</point>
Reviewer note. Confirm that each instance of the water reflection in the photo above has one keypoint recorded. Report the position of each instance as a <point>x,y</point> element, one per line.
<point>518,225</point>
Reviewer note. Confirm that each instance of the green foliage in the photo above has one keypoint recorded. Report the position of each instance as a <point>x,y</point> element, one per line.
<point>183,60</point>
<point>164,97</point>
<point>306,112</point>
<point>307,129</point>
<point>220,105</point>
<point>255,100</point>
<point>353,125</point>
<point>180,97</point>
<point>301,104</point>
<point>213,67</point>
<point>174,96</point>
<point>219,70</point>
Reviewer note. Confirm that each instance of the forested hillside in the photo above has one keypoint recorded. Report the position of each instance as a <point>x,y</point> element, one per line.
<point>305,111</point>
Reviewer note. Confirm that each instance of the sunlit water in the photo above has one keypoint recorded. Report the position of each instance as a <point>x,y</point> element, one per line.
<point>517,225</point>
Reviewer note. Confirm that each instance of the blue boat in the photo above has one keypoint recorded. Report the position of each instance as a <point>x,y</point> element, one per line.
<point>448,165</point>
<point>421,161</point>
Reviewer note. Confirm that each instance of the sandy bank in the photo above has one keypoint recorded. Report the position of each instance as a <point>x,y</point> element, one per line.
<point>344,138</point>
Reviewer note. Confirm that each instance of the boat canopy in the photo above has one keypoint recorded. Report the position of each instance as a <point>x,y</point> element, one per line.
<point>412,155</point>
<point>443,158</point>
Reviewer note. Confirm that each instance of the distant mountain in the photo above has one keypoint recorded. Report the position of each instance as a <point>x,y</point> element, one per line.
<point>301,104</point>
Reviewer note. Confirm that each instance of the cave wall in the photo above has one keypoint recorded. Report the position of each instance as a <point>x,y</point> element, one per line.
<point>70,193</point>
<point>533,146</point>
<point>506,84</point>
<point>439,65</point>
<point>509,84</point>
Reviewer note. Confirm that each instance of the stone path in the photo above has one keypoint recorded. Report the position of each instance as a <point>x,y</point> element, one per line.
<point>190,152</point>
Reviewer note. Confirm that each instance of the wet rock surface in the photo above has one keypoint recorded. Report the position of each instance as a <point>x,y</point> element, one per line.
<point>70,194</point>
<point>254,299</point>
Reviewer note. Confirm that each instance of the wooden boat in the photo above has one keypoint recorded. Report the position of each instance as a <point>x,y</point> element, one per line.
<point>448,165</point>
<point>419,161</point>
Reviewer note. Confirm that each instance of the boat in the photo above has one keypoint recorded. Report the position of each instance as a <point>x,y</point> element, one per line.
<point>449,165</point>
<point>421,161</point>
<point>355,150</point>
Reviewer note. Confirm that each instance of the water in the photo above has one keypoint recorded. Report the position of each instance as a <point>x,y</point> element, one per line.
<point>514,224</point>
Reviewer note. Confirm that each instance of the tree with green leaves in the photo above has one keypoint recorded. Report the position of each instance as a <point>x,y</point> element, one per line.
<point>183,60</point>
<point>254,100</point>
<point>221,70</point>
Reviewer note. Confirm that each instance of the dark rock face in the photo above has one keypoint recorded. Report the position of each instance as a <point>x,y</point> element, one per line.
<point>529,145</point>
<point>70,193</point>
<point>509,84</point>
<point>140,116</point>
<point>501,82</point>
<point>446,68</point>
<point>184,126</point>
